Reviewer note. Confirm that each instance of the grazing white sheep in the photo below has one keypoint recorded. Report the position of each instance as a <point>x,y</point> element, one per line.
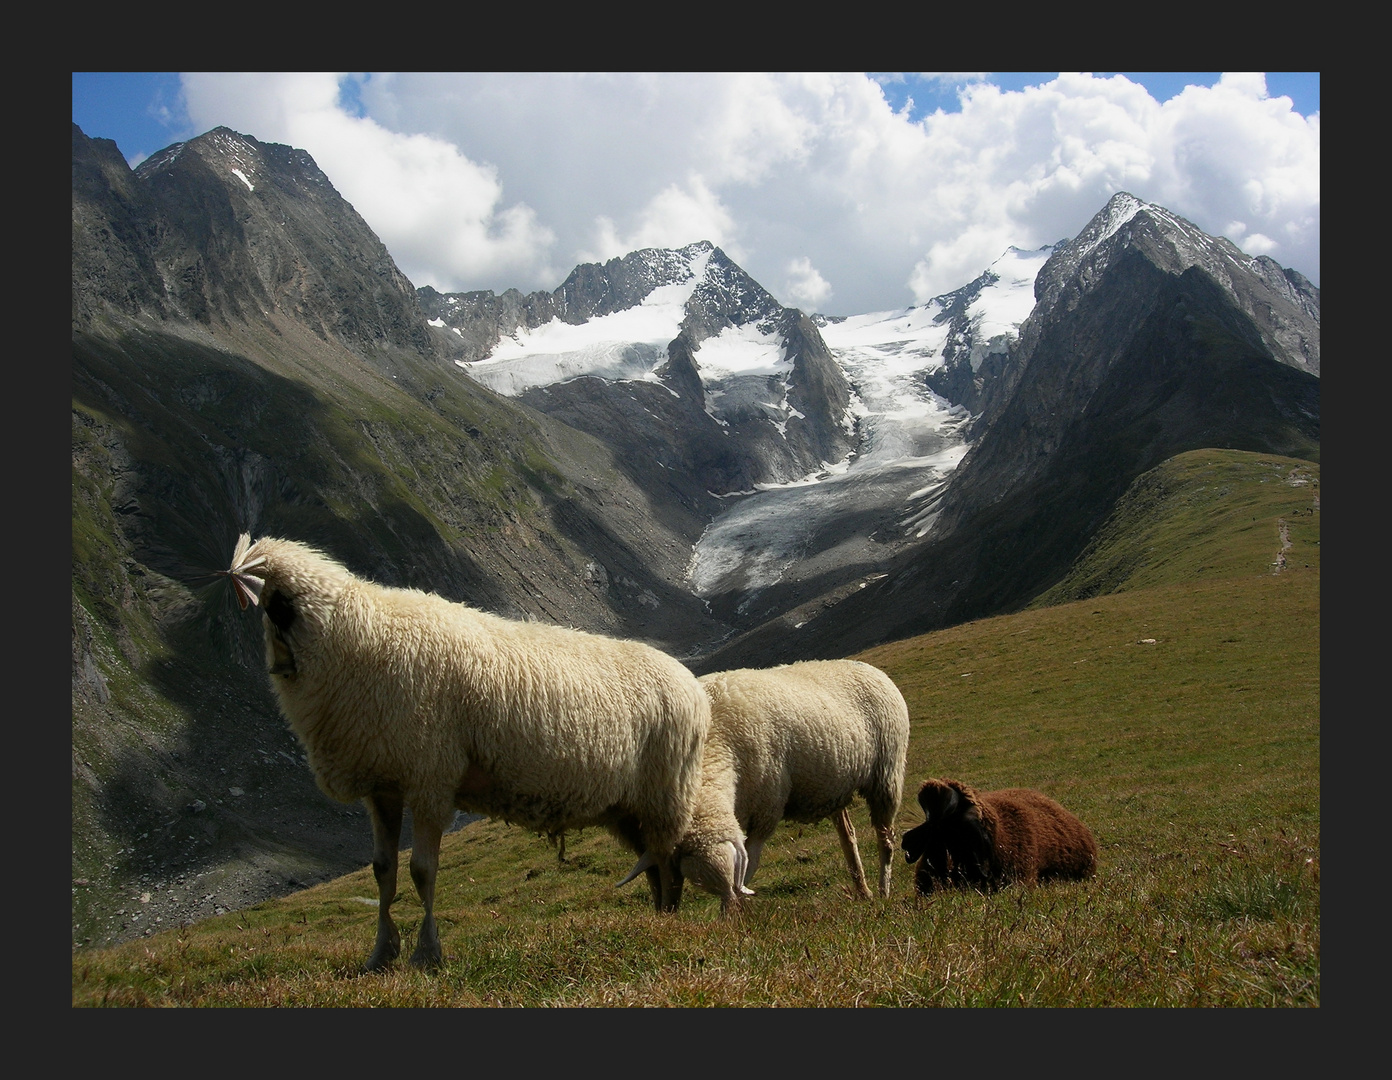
<point>402,698</point>
<point>795,743</point>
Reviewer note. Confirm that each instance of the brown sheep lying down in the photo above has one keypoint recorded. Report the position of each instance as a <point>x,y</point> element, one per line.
<point>987,839</point>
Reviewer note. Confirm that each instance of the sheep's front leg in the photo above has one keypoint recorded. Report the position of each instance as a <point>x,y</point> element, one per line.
<point>425,861</point>
<point>628,831</point>
<point>670,883</point>
<point>385,812</point>
<point>885,834</point>
<point>852,853</point>
<point>654,877</point>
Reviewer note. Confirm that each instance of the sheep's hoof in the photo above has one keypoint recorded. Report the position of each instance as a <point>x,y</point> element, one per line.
<point>380,960</point>
<point>388,948</point>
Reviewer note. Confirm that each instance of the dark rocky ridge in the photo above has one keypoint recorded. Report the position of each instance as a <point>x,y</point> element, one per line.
<point>958,380</point>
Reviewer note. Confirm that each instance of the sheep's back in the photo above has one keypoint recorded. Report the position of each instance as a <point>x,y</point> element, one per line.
<point>1034,834</point>
<point>806,737</point>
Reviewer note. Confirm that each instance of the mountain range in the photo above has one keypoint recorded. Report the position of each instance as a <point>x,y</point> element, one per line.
<point>656,449</point>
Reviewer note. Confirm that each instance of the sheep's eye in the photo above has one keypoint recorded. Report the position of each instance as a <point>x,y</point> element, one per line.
<point>280,609</point>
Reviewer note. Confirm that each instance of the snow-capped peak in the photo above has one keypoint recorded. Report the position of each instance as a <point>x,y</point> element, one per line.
<point>631,343</point>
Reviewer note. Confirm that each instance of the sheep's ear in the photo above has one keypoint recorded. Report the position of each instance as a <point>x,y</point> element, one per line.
<point>938,798</point>
<point>239,552</point>
<point>971,804</point>
<point>248,589</point>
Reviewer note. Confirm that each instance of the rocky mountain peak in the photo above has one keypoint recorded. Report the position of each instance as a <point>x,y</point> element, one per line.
<point>596,289</point>
<point>1286,306</point>
<point>727,296</point>
<point>719,292</point>
<point>225,229</point>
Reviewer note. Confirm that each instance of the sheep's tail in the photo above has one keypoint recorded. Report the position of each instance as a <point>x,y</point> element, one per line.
<point>245,584</point>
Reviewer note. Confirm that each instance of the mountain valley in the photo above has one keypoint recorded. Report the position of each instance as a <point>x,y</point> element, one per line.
<point>657,449</point>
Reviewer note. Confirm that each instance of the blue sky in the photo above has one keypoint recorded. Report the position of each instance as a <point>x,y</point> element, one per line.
<point>1302,87</point>
<point>143,111</point>
<point>826,187</point>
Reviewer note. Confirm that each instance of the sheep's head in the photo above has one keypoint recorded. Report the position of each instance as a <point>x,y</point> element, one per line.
<point>940,799</point>
<point>951,810</point>
<point>294,585</point>
<point>917,841</point>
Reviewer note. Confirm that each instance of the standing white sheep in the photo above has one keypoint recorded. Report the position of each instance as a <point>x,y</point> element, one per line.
<point>795,743</point>
<point>402,698</point>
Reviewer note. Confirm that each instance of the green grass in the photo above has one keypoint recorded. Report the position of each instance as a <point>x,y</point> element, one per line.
<point>1178,715</point>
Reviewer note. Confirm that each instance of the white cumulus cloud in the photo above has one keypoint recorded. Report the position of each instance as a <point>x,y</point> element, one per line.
<point>803,287</point>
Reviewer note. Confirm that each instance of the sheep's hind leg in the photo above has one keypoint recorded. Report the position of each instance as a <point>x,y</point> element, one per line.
<point>385,812</point>
<point>852,852</point>
<point>425,861</point>
<point>754,849</point>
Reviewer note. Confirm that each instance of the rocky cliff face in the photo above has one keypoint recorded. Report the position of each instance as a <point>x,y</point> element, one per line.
<point>1141,316</point>
<point>225,229</point>
<point>973,361</point>
<point>1282,304</point>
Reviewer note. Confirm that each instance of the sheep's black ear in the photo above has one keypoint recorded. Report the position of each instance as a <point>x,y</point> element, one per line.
<point>938,800</point>
<point>280,609</point>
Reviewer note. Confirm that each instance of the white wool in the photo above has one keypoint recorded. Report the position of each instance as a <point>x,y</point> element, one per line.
<point>796,742</point>
<point>403,692</point>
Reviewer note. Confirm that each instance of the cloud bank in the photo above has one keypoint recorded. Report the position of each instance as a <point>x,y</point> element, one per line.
<point>814,183</point>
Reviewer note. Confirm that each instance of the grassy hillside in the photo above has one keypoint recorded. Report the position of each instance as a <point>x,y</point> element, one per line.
<point>1201,515</point>
<point>1176,711</point>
